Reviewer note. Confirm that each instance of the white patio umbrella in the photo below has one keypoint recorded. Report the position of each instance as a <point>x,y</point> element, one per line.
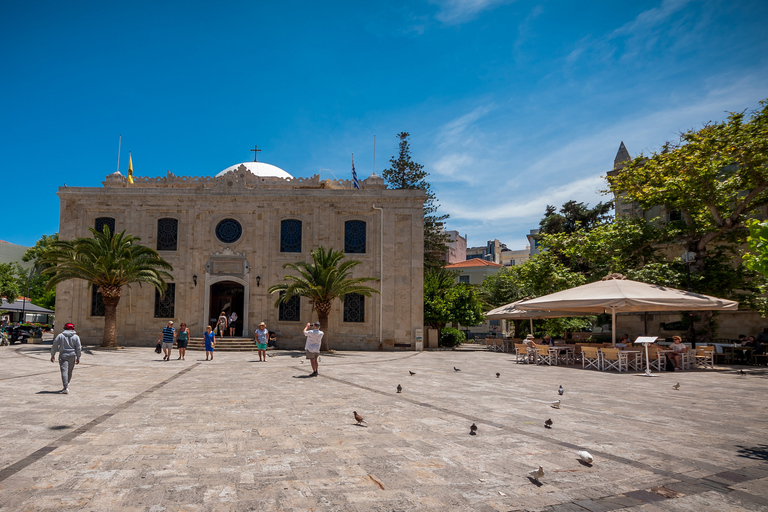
<point>617,294</point>
<point>512,311</point>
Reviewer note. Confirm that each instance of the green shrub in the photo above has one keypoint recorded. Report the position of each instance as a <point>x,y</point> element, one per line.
<point>450,337</point>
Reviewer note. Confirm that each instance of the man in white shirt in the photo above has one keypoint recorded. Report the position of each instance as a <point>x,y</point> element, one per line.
<point>312,347</point>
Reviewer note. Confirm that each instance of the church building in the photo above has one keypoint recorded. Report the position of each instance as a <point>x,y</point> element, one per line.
<point>228,237</point>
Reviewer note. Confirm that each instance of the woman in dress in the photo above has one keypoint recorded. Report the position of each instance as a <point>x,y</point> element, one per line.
<point>261,336</point>
<point>221,324</point>
<point>181,341</point>
<point>210,342</point>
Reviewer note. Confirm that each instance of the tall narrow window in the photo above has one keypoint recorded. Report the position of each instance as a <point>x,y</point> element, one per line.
<point>165,305</point>
<point>104,221</point>
<point>97,301</point>
<point>167,234</point>
<point>354,236</point>
<point>354,308</point>
<point>290,235</point>
<point>289,311</point>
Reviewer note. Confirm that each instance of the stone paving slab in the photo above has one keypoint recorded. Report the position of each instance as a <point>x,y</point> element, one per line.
<point>138,433</point>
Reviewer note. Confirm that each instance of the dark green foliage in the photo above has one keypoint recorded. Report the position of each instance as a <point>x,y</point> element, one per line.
<point>404,173</point>
<point>450,337</point>
<point>9,282</point>
<point>573,217</point>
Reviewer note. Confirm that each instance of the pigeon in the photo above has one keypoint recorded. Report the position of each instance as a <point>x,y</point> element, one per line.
<point>412,373</point>
<point>399,388</point>
<point>742,373</point>
<point>548,423</point>
<point>676,386</point>
<point>560,390</point>
<point>556,404</point>
<point>498,375</point>
<point>473,429</point>
<point>456,369</point>
<point>359,419</point>
<point>585,456</point>
<point>536,473</point>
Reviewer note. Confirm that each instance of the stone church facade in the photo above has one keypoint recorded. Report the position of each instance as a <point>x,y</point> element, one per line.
<point>228,237</point>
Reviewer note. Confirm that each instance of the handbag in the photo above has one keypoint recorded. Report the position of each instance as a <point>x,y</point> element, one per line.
<point>158,349</point>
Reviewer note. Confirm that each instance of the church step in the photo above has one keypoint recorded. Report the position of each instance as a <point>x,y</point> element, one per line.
<point>234,344</point>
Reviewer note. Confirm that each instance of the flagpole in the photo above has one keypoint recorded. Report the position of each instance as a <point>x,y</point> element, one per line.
<point>119,143</point>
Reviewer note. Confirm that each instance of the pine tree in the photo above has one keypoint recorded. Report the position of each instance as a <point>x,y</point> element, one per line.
<point>404,173</point>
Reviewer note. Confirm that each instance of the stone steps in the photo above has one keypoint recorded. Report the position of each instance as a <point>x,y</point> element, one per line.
<point>225,344</point>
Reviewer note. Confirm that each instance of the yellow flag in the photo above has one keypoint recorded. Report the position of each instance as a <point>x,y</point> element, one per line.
<point>130,169</point>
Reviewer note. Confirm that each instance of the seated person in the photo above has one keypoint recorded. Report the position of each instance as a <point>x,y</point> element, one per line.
<point>623,341</point>
<point>742,339</point>
<point>529,341</point>
<point>678,349</point>
<point>749,342</point>
<point>272,339</point>
<point>548,340</point>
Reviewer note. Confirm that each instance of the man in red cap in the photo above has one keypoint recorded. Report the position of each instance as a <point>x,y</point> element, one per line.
<point>68,345</point>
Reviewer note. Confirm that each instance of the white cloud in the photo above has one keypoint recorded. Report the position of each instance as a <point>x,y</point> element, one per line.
<point>454,12</point>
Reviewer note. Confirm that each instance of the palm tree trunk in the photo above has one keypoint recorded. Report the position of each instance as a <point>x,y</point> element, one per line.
<point>323,310</point>
<point>111,297</point>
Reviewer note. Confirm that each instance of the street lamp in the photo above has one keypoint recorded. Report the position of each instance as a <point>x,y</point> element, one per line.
<point>688,257</point>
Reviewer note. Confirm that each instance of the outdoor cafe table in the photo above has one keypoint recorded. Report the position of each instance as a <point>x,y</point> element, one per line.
<point>570,353</point>
<point>634,358</point>
<point>730,352</point>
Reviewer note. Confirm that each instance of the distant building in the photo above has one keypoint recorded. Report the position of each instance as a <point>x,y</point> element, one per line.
<point>491,251</point>
<point>456,247</point>
<point>510,258</point>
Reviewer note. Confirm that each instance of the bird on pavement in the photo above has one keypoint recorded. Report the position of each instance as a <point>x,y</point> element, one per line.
<point>560,390</point>
<point>359,419</point>
<point>742,373</point>
<point>585,456</point>
<point>498,375</point>
<point>399,388</point>
<point>676,386</point>
<point>556,404</point>
<point>412,373</point>
<point>456,369</point>
<point>548,423</point>
<point>473,429</point>
<point>536,474</point>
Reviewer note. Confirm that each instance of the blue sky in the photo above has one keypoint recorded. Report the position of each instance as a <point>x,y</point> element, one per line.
<point>511,105</point>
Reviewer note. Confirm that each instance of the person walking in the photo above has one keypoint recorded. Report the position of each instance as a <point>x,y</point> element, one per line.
<point>67,344</point>
<point>167,340</point>
<point>221,324</point>
<point>312,347</point>
<point>232,320</point>
<point>210,342</point>
<point>182,338</point>
<point>261,337</point>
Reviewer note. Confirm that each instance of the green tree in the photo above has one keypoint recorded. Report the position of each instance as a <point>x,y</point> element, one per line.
<point>322,281</point>
<point>446,301</point>
<point>715,177</point>
<point>109,261</point>
<point>9,282</point>
<point>757,260</point>
<point>36,282</point>
<point>404,173</point>
<point>574,217</point>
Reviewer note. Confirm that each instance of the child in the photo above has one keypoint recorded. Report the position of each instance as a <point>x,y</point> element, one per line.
<point>210,342</point>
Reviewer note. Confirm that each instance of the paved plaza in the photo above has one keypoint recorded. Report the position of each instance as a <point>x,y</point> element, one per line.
<point>140,434</point>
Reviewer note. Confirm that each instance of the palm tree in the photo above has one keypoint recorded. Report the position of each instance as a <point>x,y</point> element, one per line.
<point>322,281</point>
<point>109,261</point>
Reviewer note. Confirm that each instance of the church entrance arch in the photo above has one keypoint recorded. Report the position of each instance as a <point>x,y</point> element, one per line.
<point>228,296</point>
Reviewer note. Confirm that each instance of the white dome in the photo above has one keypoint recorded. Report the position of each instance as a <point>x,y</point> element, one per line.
<point>259,169</point>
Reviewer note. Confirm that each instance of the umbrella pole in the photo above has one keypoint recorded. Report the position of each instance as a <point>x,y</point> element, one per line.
<point>531,319</point>
<point>613,325</point>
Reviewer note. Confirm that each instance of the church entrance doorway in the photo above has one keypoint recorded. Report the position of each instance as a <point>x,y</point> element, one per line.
<point>227,296</point>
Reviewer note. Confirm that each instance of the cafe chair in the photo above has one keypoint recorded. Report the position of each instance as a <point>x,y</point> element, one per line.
<point>543,355</point>
<point>590,358</point>
<point>521,353</point>
<point>705,357</point>
<point>614,359</point>
<point>656,360</point>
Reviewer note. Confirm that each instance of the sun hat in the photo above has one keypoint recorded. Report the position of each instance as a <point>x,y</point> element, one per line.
<point>262,323</point>
<point>529,337</point>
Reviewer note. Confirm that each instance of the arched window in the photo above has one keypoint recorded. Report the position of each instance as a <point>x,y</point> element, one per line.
<point>167,234</point>
<point>97,302</point>
<point>354,236</point>
<point>354,308</point>
<point>165,305</point>
<point>290,235</point>
<point>289,311</point>
<point>104,221</point>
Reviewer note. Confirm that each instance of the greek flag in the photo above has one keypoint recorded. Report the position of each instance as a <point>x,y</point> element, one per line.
<point>355,182</point>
